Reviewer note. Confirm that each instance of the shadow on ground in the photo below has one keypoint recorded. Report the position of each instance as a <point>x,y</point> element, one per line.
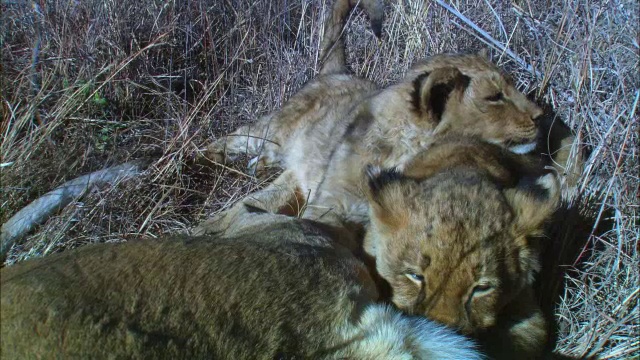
<point>569,231</point>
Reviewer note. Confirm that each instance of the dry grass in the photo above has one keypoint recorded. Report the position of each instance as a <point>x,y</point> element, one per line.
<point>91,84</point>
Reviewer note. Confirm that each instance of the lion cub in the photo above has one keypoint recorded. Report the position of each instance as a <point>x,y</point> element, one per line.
<point>281,288</point>
<point>454,234</point>
<point>325,134</point>
<point>324,163</point>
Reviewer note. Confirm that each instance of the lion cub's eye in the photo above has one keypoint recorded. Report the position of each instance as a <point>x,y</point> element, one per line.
<point>415,277</point>
<point>495,97</point>
<point>482,289</point>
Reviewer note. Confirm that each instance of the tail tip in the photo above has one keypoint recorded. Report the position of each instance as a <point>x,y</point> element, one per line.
<point>376,26</point>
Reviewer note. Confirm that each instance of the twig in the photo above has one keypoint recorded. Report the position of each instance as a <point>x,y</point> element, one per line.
<point>495,14</point>
<point>43,207</point>
<point>38,19</point>
<point>489,39</point>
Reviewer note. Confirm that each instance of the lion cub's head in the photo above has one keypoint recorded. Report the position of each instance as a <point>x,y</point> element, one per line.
<point>488,105</point>
<point>459,94</point>
<point>455,242</point>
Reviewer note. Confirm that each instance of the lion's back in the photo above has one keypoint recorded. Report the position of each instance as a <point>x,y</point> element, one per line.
<point>238,297</point>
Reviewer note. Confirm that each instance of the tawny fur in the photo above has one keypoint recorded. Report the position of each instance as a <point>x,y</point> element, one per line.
<point>464,213</point>
<point>455,237</point>
<point>337,123</point>
<point>282,290</point>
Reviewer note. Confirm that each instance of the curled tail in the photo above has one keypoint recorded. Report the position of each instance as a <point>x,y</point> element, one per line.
<point>332,55</point>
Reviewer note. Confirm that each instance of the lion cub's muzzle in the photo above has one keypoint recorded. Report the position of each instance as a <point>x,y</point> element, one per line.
<point>524,145</point>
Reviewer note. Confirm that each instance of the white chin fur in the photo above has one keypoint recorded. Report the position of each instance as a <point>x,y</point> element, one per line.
<point>523,148</point>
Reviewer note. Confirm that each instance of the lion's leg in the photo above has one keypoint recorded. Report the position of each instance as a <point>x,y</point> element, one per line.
<point>281,196</point>
<point>324,211</point>
<point>338,199</point>
<point>260,141</point>
<point>340,210</point>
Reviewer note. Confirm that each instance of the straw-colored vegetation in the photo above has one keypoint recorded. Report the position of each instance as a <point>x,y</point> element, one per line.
<point>87,85</point>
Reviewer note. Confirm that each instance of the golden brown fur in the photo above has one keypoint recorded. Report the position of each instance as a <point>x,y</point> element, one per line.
<point>213,298</point>
<point>340,130</point>
<point>454,235</point>
<point>463,214</point>
<point>338,122</point>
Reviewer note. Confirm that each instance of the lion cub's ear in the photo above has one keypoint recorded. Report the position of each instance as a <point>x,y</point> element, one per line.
<point>432,90</point>
<point>384,192</point>
<point>533,200</point>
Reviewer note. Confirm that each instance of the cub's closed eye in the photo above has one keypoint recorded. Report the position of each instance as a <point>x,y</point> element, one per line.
<point>415,277</point>
<point>495,97</point>
<point>480,289</point>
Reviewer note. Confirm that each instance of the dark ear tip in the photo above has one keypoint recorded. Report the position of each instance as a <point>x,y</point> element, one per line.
<point>379,178</point>
<point>376,26</point>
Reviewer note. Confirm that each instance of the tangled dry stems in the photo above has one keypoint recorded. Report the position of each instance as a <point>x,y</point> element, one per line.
<point>91,84</point>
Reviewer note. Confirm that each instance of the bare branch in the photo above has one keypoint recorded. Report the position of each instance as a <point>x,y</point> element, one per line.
<point>43,207</point>
<point>488,39</point>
